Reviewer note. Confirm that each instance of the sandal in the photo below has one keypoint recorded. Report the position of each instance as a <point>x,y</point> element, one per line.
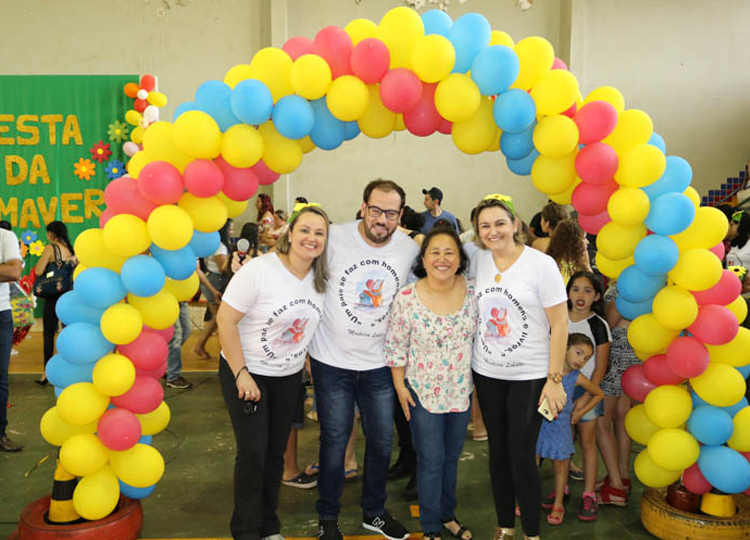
<point>625,482</point>
<point>313,469</point>
<point>503,534</point>
<point>611,495</point>
<point>462,530</point>
<point>350,475</point>
<point>549,502</point>
<point>556,516</point>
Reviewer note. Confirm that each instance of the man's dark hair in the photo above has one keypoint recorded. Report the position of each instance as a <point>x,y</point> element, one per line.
<point>384,185</point>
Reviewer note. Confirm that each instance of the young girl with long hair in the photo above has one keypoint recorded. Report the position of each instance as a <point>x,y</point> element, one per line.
<point>567,245</point>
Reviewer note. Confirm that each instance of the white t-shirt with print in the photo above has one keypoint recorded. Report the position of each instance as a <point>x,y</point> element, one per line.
<point>281,311</point>
<point>9,251</point>
<point>362,282</point>
<point>597,330</point>
<point>211,264</point>
<point>513,334</point>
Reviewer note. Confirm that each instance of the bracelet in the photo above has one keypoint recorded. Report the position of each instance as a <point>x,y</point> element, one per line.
<point>243,368</point>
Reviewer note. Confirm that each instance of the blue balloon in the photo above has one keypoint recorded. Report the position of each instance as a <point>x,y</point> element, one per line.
<point>82,343</point>
<point>328,132</point>
<point>183,108</point>
<point>745,370</point>
<point>145,439</point>
<point>469,35</point>
<point>436,21</point>
<point>517,145</point>
<point>710,425</point>
<point>293,117</point>
<point>214,98</point>
<point>658,141</point>
<point>522,167</point>
<point>670,214</point>
<point>637,286</point>
<point>71,309</point>
<point>58,391</point>
<point>514,110</point>
<point>725,469</point>
<point>494,69</point>
<point>737,407</point>
<point>676,178</point>
<point>631,310</point>
<point>204,244</point>
<point>251,102</point>
<point>143,275</point>
<point>99,287</point>
<point>177,264</point>
<point>62,374</point>
<point>351,130</point>
<point>656,254</point>
<point>134,492</point>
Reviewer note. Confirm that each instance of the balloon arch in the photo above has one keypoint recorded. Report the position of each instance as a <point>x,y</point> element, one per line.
<point>425,74</point>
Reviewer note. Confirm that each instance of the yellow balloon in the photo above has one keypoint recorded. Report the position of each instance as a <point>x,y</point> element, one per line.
<point>634,127</point>
<point>693,196</point>
<point>280,154</point>
<point>556,136</point>
<point>133,117</point>
<point>610,94</point>
<point>114,374</point>
<point>241,146</point>
<point>56,431</point>
<point>158,145</point>
<point>136,135</point>
<point>675,308</point>
<point>273,67</point>
<point>96,495</point>
<point>709,227</point>
<point>640,166</point>
<point>155,421</point>
<point>306,142</point>
<point>536,55</point>
<point>157,98</point>
<point>170,227</point>
<point>347,98</point>
<point>432,58</point>
<point>208,214</point>
<point>554,175</point>
<point>79,268</point>
<point>234,208</point>
<point>638,426</point>
<point>720,385</point>
<point>360,29</point>
<point>643,356</point>
<point>628,206</point>
<point>739,308</point>
<point>91,251</point>
<point>668,406</point>
<point>196,134</point>
<point>740,439</point>
<point>136,163</point>
<point>378,121</point>
<point>81,404</point>
<point>673,449</point>
<point>140,466</point>
<point>159,311</point>
<point>696,270</point>
<point>457,97</point>
<point>83,454</point>
<point>495,145</point>
<point>182,289</point>
<point>121,324</point>
<point>498,37</point>
<point>399,29</point>
<point>237,74</point>
<point>477,133</point>
<point>126,235</point>
<point>310,76</point>
<point>650,474</point>
<point>648,335</point>
<point>617,242</point>
<point>612,268</point>
<point>735,353</point>
<point>555,93</point>
<point>400,124</point>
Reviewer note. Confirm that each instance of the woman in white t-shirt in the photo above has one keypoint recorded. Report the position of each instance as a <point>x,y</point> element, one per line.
<point>518,357</point>
<point>268,315</point>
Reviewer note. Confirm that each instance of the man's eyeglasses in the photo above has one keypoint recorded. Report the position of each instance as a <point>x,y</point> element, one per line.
<point>376,212</point>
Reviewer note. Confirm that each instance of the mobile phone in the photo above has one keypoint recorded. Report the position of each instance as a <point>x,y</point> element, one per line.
<point>250,407</point>
<point>544,410</point>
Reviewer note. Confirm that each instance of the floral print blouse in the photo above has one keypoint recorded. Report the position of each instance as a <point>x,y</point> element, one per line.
<point>435,349</point>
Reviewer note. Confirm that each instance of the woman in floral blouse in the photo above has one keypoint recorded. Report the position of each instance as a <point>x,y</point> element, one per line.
<point>428,347</point>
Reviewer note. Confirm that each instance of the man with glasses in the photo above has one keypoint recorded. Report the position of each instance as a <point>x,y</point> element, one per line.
<point>369,261</point>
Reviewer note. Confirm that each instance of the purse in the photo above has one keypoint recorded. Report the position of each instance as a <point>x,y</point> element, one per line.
<point>57,277</point>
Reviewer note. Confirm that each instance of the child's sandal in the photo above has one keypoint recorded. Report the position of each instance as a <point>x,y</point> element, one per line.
<point>611,495</point>
<point>556,516</point>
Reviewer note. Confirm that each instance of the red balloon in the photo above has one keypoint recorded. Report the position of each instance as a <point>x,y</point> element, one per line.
<point>148,351</point>
<point>370,60</point>
<point>657,371</point>
<point>445,126</point>
<point>143,397</point>
<point>592,224</point>
<point>559,64</point>
<point>595,121</point>
<point>687,357</point>
<point>122,197</point>
<point>266,176</point>
<point>334,45</point>
<point>723,293</point>
<point>634,383</point>
<point>719,250</point>
<point>596,163</point>
<point>239,184</point>
<point>591,199</point>
<point>694,481</point>
<point>400,90</point>
<point>570,112</point>
<point>715,325</point>
<point>148,82</point>
<point>203,178</point>
<point>161,183</point>
<point>165,333</point>
<point>105,216</point>
<point>424,119</point>
<point>298,46</point>
<point>157,373</point>
<point>118,429</point>
<point>140,105</point>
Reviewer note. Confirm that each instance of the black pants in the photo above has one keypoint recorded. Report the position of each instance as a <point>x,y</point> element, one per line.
<point>406,452</point>
<point>509,409</point>
<point>261,441</point>
<point>50,324</point>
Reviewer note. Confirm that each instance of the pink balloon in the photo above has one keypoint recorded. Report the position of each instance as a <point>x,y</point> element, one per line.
<point>143,397</point>
<point>370,60</point>
<point>595,121</point>
<point>592,224</point>
<point>239,184</point>
<point>424,119</point>
<point>298,46</point>
<point>591,199</point>
<point>715,325</point>
<point>203,178</point>
<point>161,183</point>
<point>334,45</point>
<point>596,163</point>
<point>118,429</point>
<point>445,126</point>
<point>694,481</point>
<point>559,64</point>
<point>687,357</point>
<point>165,333</point>
<point>400,90</point>
<point>265,175</point>
<point>723,293</point>
<point>130,148</point>
<point>570,112</point>
<point>657,371</point>
<point>157,373</point>
<point>635,384</point>
<point>122,197</point>
<point>148,351</point>
<point>105,216</point>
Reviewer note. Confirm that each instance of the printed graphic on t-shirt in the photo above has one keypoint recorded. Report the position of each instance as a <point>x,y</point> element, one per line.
<point>365,291</point>
<point>295,332</point>
<point>371,291</point>
<point>283,334</point>
<point>504,326</point>
<point>497,324</point>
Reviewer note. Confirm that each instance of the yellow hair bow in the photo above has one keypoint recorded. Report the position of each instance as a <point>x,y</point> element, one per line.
<point>503,199</point>
<point>298,208</point>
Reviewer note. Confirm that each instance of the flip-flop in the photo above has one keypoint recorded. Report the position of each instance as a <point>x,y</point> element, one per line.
<point>459,534</point>
<point>350,475</point>
<point>556,516</point>
<point>314,469</point>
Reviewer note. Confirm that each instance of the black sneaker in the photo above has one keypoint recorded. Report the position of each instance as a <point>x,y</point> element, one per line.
<point>301,481</point>
<point>328,529</point>
<point>386,525</point>
<point>6,445</point>
<point>181,383</point>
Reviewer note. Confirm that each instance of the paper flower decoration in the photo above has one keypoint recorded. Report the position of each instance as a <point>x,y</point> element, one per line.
<point>115,169</point>
<point>100,152</point>
<point>28,236</point>
<point>36,248</point>
<point>24,250</point>
<point>84,169</point>
<point>118,131</point>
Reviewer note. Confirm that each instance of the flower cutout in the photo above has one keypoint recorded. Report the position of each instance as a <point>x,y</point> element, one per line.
<point>28,236</point>
<point>24,250</point>
<point>100,152</point>
<point>115,169</point>
<point>118,131</point>
<point>36,248</point>
<point>84,169</point>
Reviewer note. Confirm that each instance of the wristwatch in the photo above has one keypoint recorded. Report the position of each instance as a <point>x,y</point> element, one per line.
<point>555,377</point>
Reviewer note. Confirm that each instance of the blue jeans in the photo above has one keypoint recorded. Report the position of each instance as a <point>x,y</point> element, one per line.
<point>336,391</point>
<point>438,440</point>
<point>182,330</point>
<point>6,341</point>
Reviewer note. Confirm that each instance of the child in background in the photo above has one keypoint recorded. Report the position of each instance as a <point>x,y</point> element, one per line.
<point>556,437</point>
